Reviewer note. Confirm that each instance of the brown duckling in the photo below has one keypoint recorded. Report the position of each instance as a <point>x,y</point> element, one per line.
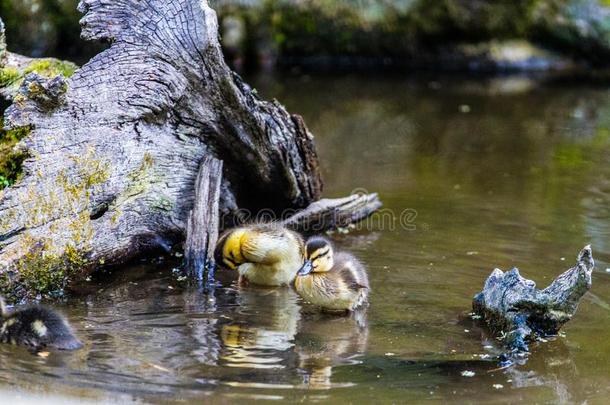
<point>37,327</point>
<point>263,254</point>
<point>334,281</point>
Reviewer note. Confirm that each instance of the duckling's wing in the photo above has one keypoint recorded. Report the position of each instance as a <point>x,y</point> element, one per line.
<point>355,285</point>
<point>351,271</point>
<point>53,329</point>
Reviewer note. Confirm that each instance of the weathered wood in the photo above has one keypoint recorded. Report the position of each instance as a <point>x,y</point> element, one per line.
<point>330,213</point>
<point>112,166</point>
<point>14,68</point>
<point>512,305</point>
<point>203,222</point>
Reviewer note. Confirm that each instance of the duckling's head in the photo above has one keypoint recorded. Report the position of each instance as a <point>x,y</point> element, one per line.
<point>229,248</point>
<point>319,255</point>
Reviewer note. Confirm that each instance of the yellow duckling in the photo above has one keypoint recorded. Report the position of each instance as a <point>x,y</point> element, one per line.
<point>263,254</point>
<point>334,281</point>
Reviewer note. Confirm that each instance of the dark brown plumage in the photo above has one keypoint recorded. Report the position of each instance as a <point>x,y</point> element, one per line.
<point>37,327</point>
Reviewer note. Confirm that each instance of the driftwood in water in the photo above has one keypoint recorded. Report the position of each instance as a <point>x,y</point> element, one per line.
<point>330,213</point>
<point>203,221</point>
<point>511,304</point>
<point>115,149</point>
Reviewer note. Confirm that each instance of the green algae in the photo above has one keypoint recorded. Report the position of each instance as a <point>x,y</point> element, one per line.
<point>11,161</point>
<point>13,76</point>
<point>9,75</point>
<point>50,68</point>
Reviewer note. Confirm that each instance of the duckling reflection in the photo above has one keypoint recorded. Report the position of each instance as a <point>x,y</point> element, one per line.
<point>325,341</point>
<point>263,326</point>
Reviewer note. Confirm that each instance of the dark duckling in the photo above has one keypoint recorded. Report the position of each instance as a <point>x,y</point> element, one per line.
<point>36,327</point>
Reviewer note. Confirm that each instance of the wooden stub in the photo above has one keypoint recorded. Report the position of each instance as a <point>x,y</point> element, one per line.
<point>514,308</point>
<point>203,220</point>
<point>330,213</point>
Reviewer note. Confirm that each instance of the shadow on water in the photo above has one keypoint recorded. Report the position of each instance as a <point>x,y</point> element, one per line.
<point>496,172</point>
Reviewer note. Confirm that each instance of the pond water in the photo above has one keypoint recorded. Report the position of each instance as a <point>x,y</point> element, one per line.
<point>485,173</point>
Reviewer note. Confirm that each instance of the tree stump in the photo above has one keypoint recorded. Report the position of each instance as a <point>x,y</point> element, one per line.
<point>513,307</point>
<point>115,149</point>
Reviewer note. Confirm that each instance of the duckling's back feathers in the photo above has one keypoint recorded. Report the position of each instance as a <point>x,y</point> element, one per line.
<point>276,235</point>
<point>351,271</point>
<point>38,327</point>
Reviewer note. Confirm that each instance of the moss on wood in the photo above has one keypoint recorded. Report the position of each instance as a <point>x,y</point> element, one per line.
<point>11,160</point>
<point>50,68</point>
<point>11,77</point>
<point>48,264</point>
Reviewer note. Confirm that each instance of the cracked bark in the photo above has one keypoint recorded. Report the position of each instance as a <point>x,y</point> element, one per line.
<point>116,148</point>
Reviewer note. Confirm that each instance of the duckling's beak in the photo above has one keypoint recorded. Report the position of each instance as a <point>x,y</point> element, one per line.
<point>306,269</point>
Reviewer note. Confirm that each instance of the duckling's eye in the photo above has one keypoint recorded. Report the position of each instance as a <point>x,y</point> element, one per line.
<point>319,253</point>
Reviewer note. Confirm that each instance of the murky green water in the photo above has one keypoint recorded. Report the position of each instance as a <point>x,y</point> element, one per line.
<point>501,173</point>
